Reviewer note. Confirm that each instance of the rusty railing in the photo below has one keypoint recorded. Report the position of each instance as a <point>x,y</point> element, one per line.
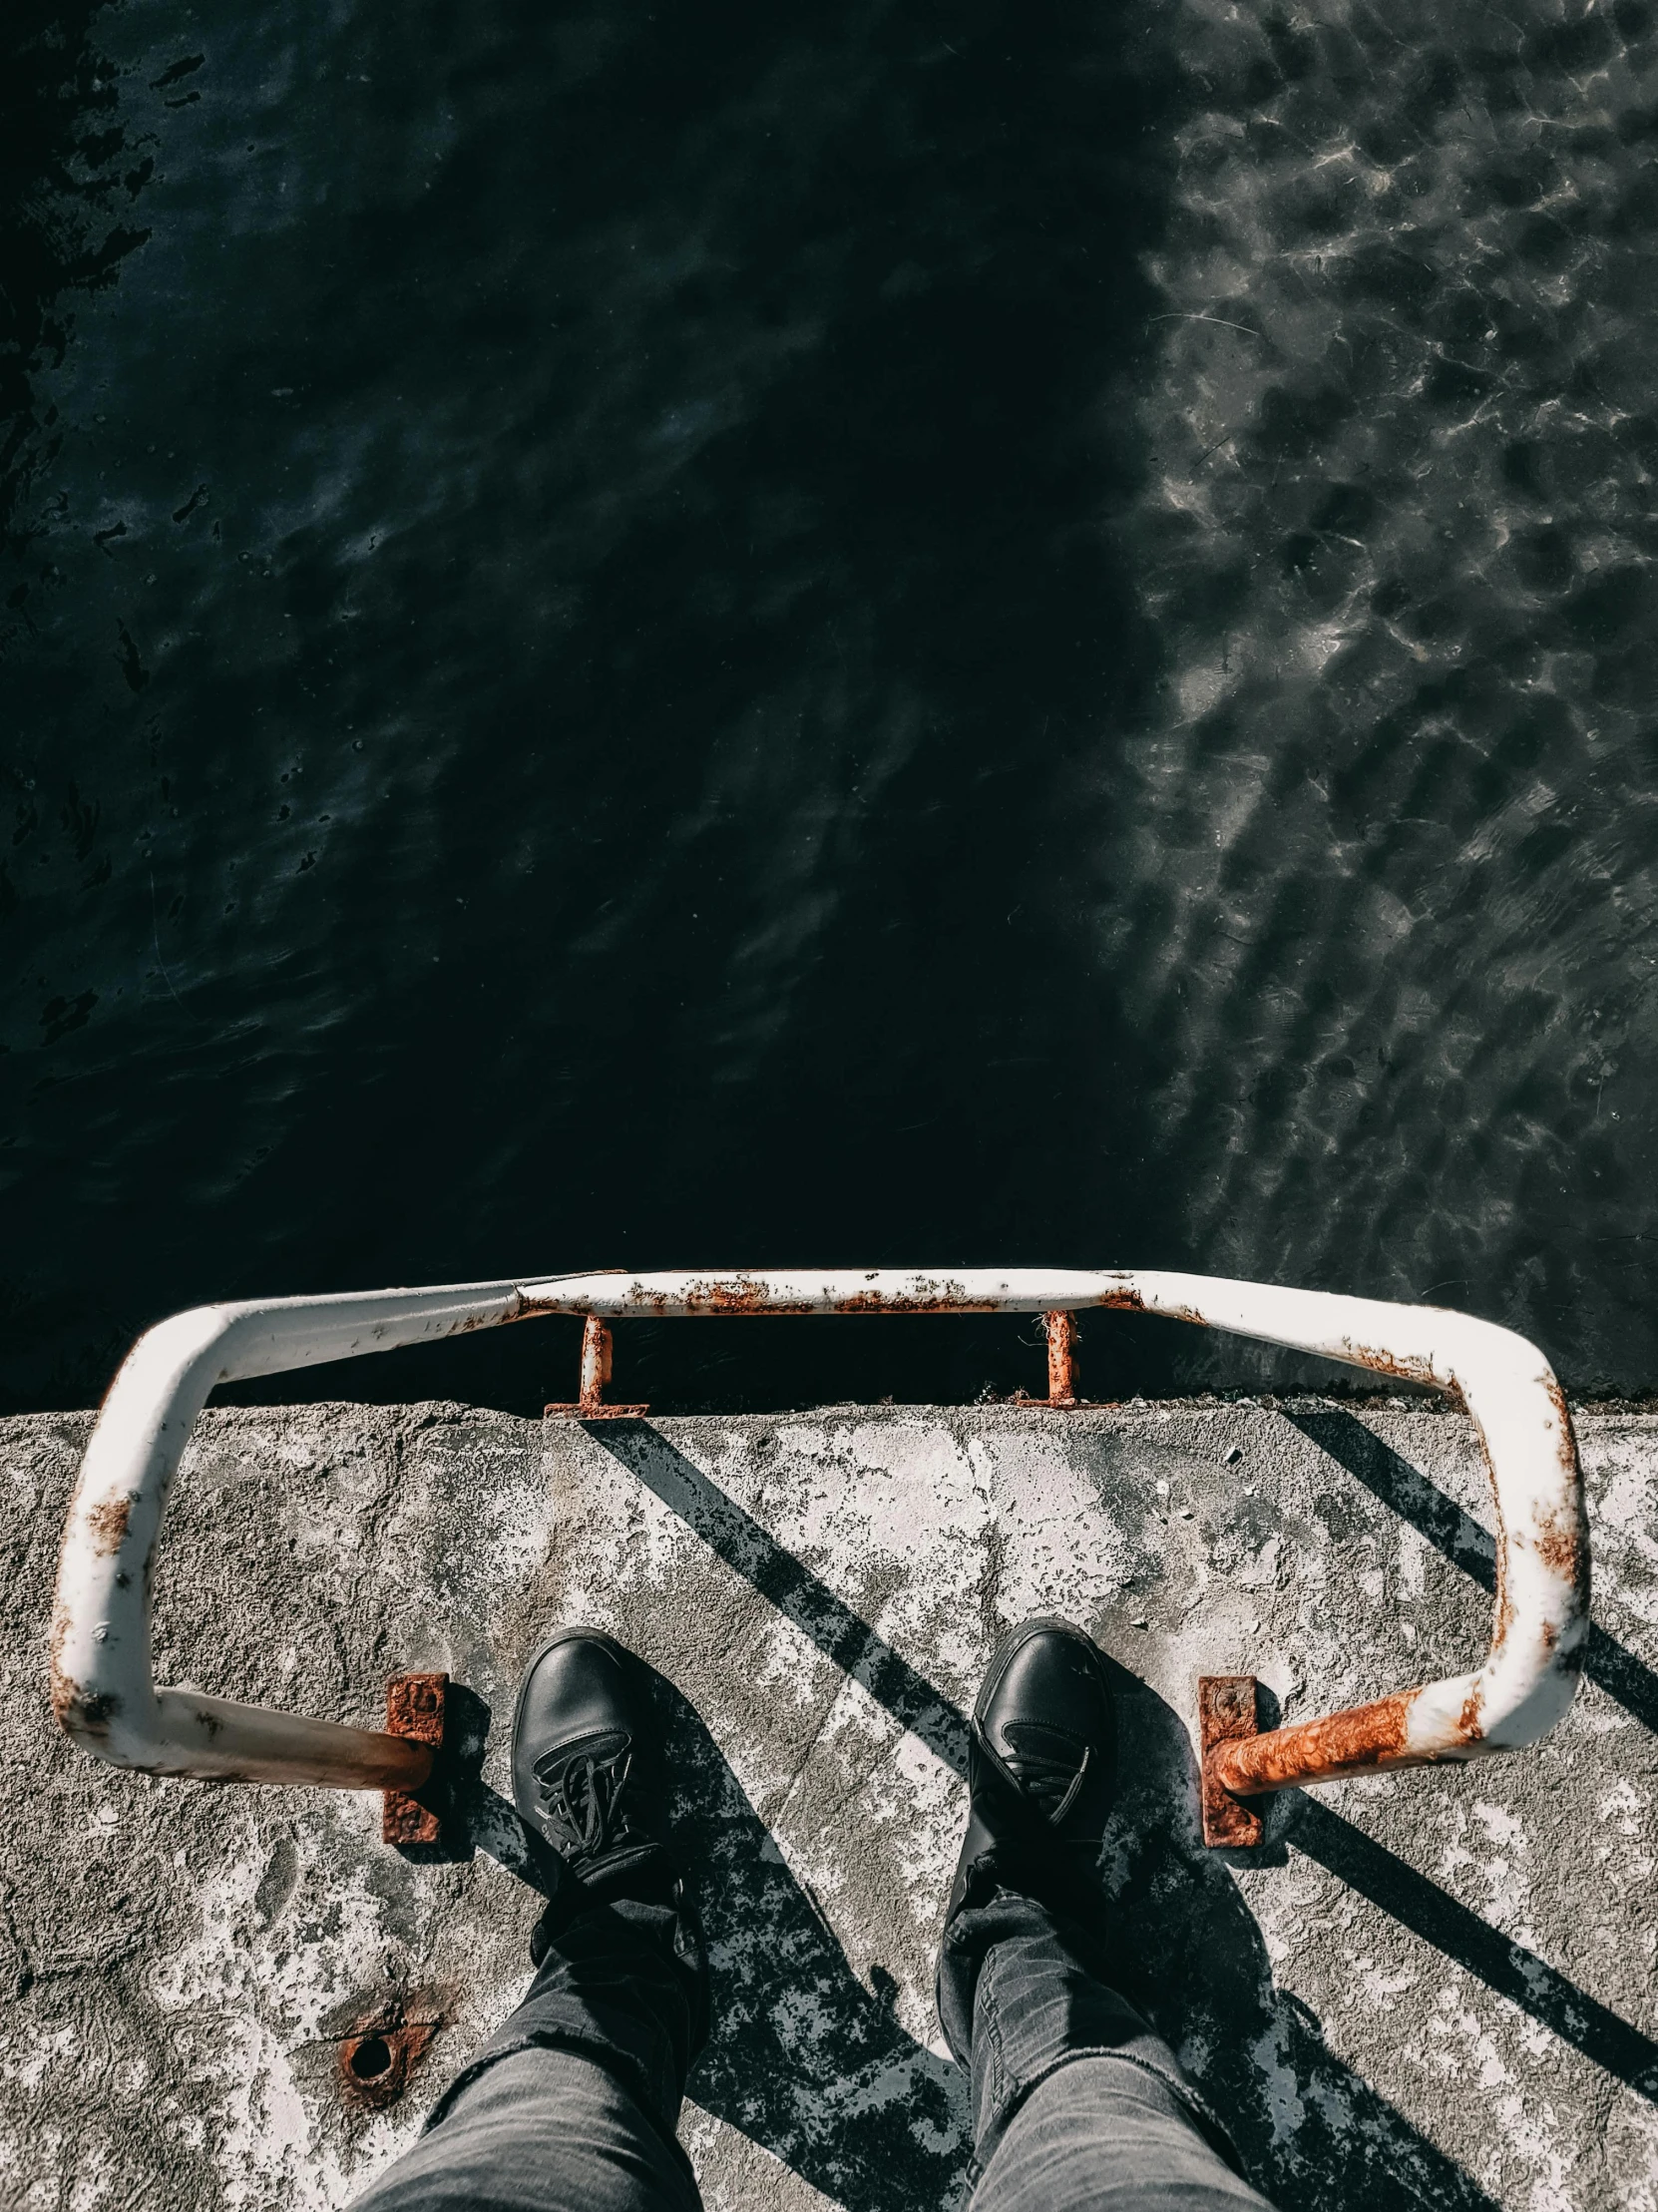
<point>106,1698</point>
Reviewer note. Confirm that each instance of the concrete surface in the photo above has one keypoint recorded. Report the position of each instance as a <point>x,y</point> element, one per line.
<point>1435,1988</point>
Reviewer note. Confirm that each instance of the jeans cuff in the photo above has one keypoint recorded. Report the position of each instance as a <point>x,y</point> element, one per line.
<point>623,1984</point>
<point>1031,1988</point>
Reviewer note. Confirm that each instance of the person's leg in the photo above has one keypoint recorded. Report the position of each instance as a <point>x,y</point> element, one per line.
<point>543,2131</point>
<point>572,2104</point>
<point>1077,2101</point>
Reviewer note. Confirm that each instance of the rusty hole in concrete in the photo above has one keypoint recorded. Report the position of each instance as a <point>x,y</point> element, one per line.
<point>382,2048</point>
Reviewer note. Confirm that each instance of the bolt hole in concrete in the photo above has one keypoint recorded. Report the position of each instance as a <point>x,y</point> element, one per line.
<point>371,2058</point>
<point>382,2050</point>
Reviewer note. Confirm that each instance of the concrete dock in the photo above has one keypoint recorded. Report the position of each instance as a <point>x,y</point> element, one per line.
<point>1431,1988</point>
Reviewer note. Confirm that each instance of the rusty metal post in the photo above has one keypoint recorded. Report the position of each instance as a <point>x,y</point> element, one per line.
<point>597,1357</point>
<point>1062,1358</point>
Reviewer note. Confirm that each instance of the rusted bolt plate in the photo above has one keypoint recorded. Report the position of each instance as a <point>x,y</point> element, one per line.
<point>601,1410</point>
<point>414,1707</point>
<point>1225,1714</point>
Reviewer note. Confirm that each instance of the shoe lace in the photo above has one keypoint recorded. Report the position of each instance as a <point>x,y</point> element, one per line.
<point>1052,1782</point>
<point>581,1797</point>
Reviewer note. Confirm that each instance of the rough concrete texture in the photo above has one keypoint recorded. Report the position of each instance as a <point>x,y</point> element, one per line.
<point>1433,1988</point>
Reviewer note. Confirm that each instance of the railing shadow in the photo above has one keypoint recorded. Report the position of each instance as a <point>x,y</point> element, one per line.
<point>798,1594</point>
<point>1407,1492</point>
<point>804,2057</point>
<point>1484,1950</point>
<point>1194,1960</point>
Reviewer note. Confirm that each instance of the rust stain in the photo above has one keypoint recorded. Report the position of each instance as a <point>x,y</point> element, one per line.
<point>1559,1541</point>
<point>384,2045</point>
<point>1364,1737</point>
<point>1560,1548</point>
<point>81,1713</point>
<point>1133,1301</point>
<point>578,1411</point>
<point>735,1294</point>
<point>926,1297</point>
<point>1471,1720</point>
<point>713,1295</point>
<point>1402,1368</point>
<point>107,1524</point>
<point>1560,1538</point>
<point>1566,1548</point>
<point>1566,1437</point>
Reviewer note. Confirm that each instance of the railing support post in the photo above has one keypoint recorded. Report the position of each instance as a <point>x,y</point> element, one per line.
<point>598,1358</point>
<point>1062,1358</point>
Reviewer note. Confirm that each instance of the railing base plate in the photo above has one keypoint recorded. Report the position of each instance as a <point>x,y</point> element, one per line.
<point>414,1707</point>
<point>1225,1712</point>
<point>579,1412</point>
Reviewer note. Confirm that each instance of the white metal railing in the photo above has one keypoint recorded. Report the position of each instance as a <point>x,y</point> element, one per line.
<point>102,1686</point>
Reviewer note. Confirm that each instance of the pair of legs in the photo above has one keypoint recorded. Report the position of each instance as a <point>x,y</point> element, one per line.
<point>572,2105</point>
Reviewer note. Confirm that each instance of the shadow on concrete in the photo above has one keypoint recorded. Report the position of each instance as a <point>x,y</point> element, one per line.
<point>1409,1493</point>
<point>1506,1967</point>
<point>1312,2132</point>
<point>1192,1954</point>
<point>804,2057</point>
<point>794,1589</point>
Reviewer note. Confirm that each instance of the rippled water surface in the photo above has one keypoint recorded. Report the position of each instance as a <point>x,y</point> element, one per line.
<point>858,634</point>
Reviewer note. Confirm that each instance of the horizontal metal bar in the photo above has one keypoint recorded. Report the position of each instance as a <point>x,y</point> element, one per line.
<point>710,1292</point>
<point>102,1684</point>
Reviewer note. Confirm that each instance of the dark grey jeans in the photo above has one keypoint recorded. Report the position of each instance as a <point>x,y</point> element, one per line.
<point>572,2105</point>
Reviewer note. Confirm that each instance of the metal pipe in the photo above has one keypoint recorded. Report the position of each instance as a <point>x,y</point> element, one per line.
<point>105,1697</point>
<point>597,1352</point>
<point>1062,1358</point>
<point>102,1687</point>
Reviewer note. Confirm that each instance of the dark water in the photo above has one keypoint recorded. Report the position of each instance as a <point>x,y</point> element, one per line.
<point>859,634</point>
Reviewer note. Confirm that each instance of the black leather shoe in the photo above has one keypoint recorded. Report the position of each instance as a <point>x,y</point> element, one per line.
<point>1042,1766</point>
<point>586,1763</point>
